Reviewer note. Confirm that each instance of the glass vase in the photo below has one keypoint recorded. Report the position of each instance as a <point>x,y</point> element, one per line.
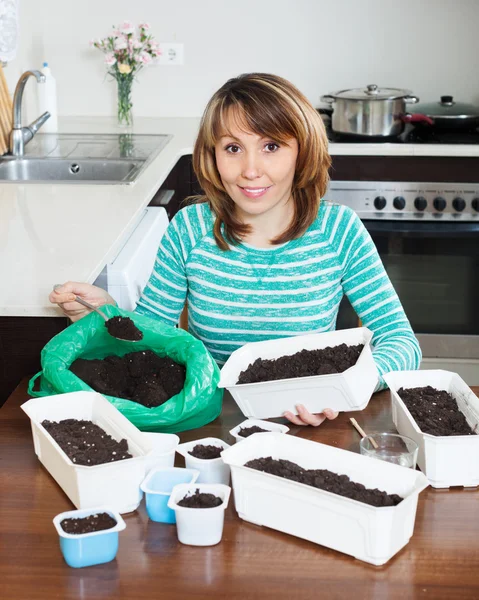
<point>125,105</point>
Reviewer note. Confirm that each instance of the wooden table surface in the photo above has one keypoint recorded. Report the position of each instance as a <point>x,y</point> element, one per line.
<point>440,561</point>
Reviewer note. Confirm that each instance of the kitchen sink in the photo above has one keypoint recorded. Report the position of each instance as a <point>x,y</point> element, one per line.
<point>83,158</point>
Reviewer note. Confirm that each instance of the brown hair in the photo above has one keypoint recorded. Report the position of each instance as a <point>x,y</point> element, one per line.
<point>270,106</point>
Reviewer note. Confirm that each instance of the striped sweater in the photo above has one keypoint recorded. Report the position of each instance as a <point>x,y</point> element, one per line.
<point>249,294</point>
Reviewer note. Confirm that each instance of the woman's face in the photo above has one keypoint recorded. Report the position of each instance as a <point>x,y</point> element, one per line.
<point>256,172</point>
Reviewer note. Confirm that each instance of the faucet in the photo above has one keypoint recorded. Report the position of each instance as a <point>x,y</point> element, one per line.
<point>20,136</point>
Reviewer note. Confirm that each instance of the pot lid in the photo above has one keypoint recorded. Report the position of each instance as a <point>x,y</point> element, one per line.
<point>372,92</point>
<point>448,107</point>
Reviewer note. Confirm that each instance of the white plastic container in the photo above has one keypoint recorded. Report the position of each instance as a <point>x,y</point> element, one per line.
<point>366,532</point>
<point>199,526</point>
<point>164,448</point>
<point>115,484</point>
<point>47,100</point>
<point>347,391</point>
<point>211,470</point>
<point>445,460</point>
<point>276,427</point>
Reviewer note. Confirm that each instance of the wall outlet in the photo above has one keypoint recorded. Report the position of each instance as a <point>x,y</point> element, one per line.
<point>171,54</point>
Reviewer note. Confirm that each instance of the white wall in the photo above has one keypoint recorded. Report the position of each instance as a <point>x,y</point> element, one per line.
<point>428,46</point>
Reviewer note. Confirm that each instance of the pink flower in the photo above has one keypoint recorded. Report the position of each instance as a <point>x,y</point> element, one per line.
<point>116,32</point>
<point>145,58</point>
<point>127,27</point>
<point>120,43</point>
<point>110,59</point>
<point>144,26</point>
<point>136,44</point>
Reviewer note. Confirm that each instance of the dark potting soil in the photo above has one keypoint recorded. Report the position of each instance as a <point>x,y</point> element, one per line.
<point>123,328</point>
<point>206,452</point>
<point>97,522</point>
<point>324,480</point>
<point>86,443</point>
<point>200,500</point>
<point>305,363</point>
<point>143,377</point>
<point>247,431</point>
<point>435,411</point>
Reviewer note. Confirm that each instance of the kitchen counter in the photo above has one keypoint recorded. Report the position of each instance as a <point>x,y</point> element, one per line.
<point>50,233</point>
<point>440,561</point>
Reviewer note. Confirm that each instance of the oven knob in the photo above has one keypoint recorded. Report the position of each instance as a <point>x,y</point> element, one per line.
<point>439,203</point>
<point>379,202</point>
<point>420,203</point>
<point>475,204</point>
<point>399,202</point>
<point>459,204</point>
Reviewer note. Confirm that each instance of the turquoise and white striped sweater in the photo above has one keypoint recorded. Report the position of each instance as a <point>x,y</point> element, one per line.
<point>251,294</point>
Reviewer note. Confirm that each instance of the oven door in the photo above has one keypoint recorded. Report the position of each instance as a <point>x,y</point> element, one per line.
<point>434,268</point>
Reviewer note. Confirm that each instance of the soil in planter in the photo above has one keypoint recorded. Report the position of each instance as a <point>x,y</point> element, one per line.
<point>98,522</point>
<point>143,377</point>
<point>305,363</point>
<point>247,431</point>
<point>324,480</point>
<point>86,443</point>
<point>435,411</point>
<point>123,328</point>
<point>206,452</point>
<point>200,500</point>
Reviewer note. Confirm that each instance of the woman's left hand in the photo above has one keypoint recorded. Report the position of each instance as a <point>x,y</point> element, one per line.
<point>304,417</point>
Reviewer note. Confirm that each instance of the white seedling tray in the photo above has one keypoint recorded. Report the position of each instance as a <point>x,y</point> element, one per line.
<point>347,391</point>
<point>276,427</point>
<point>445,460</point>
<point>116,484</point>
<point>366,532</point>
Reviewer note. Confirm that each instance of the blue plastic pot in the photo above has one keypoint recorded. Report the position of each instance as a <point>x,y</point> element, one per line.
<point>158,486</point>
<point>87,549</point>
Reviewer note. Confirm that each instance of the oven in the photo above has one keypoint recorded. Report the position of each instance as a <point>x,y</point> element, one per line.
<point>423,215</point>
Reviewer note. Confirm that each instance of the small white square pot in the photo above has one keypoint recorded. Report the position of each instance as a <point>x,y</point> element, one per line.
<point>275,427</point>
<point>446,460</point>
<point>87,549</point>
<point>164,448</point>
<point>347,391</point>
<point>211,470</point>
<point>199,526</point>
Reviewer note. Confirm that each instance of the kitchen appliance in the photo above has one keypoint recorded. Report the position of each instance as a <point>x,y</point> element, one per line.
<point>450,115</point>
<point>372,111</point>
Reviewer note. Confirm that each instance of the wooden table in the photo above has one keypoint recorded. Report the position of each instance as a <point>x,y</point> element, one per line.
<point>441,560</point>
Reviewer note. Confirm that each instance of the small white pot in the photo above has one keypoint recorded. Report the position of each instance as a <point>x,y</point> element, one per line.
<point>211,470</point>
<point>276,427</point>
<point>199,526</point>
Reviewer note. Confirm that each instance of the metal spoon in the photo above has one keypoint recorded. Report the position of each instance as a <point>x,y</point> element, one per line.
<point>96,309</point>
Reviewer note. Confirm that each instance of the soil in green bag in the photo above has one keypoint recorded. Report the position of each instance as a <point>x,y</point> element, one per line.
<point>86,443</point>
<point>98,522</point>
<point>143,377</point>
<point>247,431</point>
<point>123,328</point>
<point>206,452</point>
<point>435,411</point>
<point>333,359</point>
<point>324,480</point>
<point>200,500</point>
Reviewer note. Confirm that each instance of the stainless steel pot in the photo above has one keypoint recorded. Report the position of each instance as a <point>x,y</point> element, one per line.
<point>371,111</point>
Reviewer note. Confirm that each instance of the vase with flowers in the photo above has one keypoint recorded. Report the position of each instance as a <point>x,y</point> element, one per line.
<point>127,50</point>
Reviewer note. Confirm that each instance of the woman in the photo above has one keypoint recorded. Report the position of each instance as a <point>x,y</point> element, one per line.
<point>261,255</point>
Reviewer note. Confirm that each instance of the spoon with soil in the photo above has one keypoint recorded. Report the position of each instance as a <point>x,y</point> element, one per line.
<point>121,328</point>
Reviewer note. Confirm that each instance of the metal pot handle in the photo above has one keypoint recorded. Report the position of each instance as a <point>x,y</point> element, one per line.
<point>411,99</point>
<point>327,98</point>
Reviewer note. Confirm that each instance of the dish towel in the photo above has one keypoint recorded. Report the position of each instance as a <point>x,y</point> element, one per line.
<point>8,29</point>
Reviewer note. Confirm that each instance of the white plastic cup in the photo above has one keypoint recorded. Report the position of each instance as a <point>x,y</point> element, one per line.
<point>164,448</point>
<point>275,427</point>
<point>199,526</point>
<point>211,470</point>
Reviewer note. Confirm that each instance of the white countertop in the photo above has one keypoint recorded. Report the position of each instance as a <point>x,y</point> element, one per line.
<point>50,233</point>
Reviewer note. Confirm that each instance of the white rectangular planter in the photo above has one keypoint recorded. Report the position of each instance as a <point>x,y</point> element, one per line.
<point>366,532</point>
<point>116,484</point>
<point>347,391</point>
<point>445,460</point>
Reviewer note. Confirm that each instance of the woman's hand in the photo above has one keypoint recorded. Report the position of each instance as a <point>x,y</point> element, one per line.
<point>64,296</point>
<point>304,417</point>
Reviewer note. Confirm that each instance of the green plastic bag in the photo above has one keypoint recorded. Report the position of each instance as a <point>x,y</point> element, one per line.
<point>196,405</point>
